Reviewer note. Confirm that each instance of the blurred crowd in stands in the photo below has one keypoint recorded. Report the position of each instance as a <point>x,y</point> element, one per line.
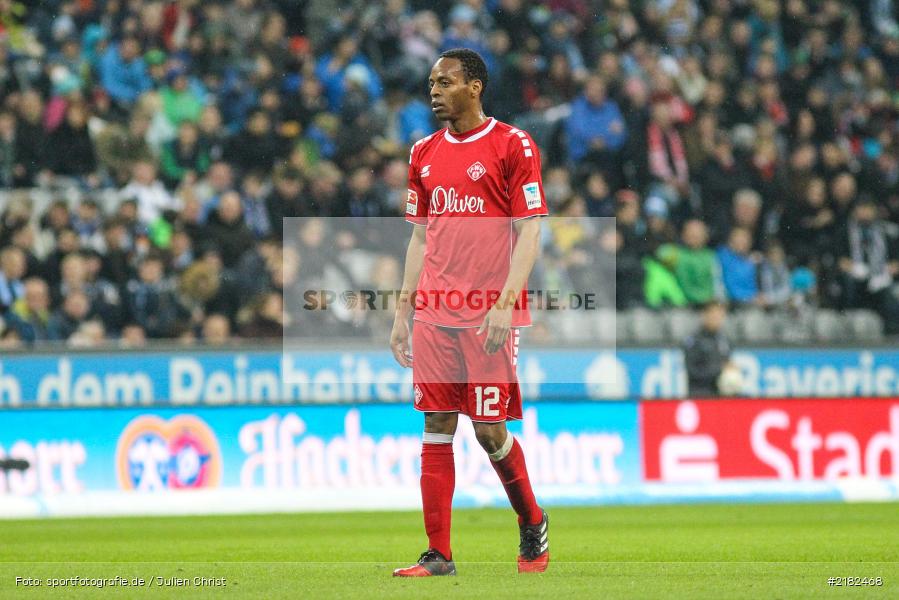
<point>149,150</point>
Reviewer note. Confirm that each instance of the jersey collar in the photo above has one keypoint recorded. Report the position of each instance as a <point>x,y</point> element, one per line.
<point>490,124</point>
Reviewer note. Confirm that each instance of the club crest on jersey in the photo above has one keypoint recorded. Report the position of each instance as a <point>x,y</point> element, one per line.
<point>418,395</point>
<point>412,203</point>
<point>476,171</point>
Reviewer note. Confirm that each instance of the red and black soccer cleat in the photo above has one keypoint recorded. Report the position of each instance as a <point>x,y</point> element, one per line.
<point>430,563</point>
<point>533,552</point>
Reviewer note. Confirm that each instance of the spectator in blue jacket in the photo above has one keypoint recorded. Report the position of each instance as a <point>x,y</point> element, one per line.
<point>416,120</point>
<point>408,118</point>
<point>75,309</point>
<point>595,124</point>
<point>464,32</point>
<point>738,267</point>
<point>560,39</point>
<point>123,72</point>
<point>151,301</point>
<point>331,69</point>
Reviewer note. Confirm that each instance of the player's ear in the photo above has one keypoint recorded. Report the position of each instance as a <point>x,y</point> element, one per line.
<point>475,87</point>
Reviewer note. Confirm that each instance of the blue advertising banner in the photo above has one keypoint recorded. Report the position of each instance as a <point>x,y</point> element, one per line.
<point>252,459</point>
<point>127,461</point>
<point>188,379</point>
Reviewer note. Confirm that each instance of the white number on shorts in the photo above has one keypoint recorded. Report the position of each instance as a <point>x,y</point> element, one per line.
<point>486,398</point>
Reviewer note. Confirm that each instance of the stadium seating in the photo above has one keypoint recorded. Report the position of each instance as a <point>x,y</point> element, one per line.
<point>829,326</point>
<point>864,325</point>
<point>679,323</point>
<point>751,327</point>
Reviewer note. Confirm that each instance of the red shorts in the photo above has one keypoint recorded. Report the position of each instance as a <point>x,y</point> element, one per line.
<point>452,372</point>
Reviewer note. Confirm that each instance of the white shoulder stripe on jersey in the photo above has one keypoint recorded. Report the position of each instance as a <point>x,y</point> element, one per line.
<point>421,141</point>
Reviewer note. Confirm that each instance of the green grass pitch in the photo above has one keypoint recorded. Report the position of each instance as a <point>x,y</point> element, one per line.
<point>699,551</point>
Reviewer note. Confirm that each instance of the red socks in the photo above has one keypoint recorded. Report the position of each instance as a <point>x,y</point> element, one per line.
<point>438,480</point>
<point>513,473</point>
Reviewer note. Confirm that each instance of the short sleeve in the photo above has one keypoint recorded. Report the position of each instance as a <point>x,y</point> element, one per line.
<point>525,181</point>
<point>416,199</point>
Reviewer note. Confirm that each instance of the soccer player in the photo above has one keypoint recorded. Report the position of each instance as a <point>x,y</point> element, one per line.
<point>475,199</point>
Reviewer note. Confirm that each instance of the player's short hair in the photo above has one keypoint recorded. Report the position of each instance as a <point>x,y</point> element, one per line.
<point>473,65</point>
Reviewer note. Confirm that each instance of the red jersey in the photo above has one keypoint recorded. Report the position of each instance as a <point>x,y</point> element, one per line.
<point>467,189</point>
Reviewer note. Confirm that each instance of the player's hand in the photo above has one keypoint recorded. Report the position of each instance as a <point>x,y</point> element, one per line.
<point>399,341</point>
<point>497,324</point>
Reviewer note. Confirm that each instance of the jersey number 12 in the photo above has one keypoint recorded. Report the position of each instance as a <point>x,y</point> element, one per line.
<point>486,399</point>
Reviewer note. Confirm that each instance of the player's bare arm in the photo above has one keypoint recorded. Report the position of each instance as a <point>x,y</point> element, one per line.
<point>499,318</point>
<point>399,336</point>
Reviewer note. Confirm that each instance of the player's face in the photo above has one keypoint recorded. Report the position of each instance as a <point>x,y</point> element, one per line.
<point>451,95</point>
